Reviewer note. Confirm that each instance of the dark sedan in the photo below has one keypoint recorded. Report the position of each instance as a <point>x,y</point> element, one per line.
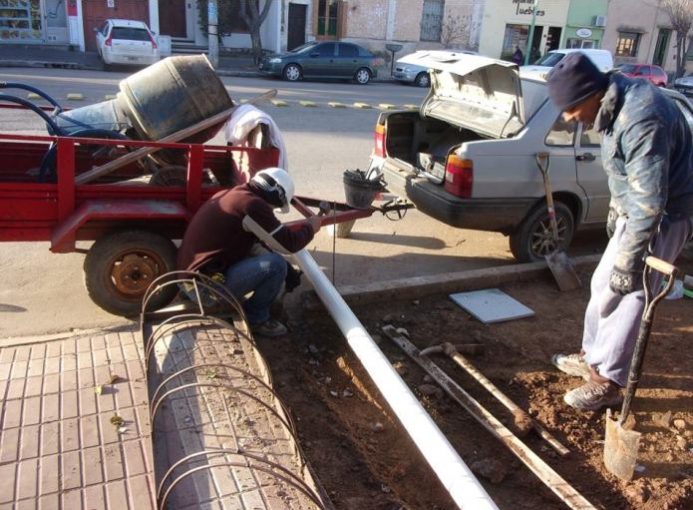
<point>323,60</point>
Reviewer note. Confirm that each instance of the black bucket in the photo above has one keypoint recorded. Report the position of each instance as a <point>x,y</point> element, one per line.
<point>360,191</point>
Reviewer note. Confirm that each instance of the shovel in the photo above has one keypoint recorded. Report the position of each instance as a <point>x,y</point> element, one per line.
<point>560,265</point>
<point>621,444</point>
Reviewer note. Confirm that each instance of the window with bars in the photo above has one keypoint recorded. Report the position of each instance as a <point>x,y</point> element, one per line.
<point>627,44</point>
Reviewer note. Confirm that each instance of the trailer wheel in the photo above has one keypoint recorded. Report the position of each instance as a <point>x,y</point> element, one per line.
<point>119,267</point>
<point>533,239</point>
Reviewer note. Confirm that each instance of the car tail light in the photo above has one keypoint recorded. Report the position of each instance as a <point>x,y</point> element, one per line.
<point>154,45</point>
<point>377,62</point>
<point>109,41</point>
<point>459,176</point>
<point>379,137</point>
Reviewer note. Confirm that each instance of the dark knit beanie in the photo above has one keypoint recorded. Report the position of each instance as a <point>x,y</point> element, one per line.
<point>574,79</point>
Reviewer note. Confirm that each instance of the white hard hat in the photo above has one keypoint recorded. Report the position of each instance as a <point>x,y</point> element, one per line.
<point>276,180</point>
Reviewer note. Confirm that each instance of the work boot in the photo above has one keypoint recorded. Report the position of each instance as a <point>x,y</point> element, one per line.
<point>572,364</point>
<point>592,396</point>
<point>270,328</point>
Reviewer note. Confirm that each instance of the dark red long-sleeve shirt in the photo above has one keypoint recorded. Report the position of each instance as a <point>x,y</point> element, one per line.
<point>215,239</point>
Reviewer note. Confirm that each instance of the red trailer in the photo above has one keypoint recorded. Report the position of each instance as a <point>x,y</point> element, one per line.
<point>132,214</point>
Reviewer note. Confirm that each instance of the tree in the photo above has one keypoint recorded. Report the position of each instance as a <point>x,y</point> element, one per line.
<point>253,18</point>
<point>681,15</point>
<point>454,30</point>
<point>238,16</point>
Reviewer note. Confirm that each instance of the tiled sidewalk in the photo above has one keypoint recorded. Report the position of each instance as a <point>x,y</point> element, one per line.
<point>61,443</point>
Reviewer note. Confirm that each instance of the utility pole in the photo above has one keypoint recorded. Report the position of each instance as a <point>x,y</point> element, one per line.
<point>213,31</point>
<point>531,32</point>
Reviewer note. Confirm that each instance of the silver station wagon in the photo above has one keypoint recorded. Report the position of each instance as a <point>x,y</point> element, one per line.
<point>468,156</point>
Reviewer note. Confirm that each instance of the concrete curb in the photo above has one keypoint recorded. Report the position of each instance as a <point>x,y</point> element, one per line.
<point>15,341</point>
<point>417,286</point>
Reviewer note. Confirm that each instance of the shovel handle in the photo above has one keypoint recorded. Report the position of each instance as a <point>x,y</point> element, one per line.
<point>661,266</point>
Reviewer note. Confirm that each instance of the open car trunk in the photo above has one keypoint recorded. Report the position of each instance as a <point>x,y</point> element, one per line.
<point>424,143</point>
<point>471,98</point>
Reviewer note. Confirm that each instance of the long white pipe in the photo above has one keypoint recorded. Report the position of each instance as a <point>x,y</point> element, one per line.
<point>456,477</point>
<point>454,474</point>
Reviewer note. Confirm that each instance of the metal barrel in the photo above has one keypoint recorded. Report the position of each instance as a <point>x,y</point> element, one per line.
<point>171,95</point>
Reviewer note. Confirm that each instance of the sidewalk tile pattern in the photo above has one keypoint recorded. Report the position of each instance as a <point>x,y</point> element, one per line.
<point>59,448</point>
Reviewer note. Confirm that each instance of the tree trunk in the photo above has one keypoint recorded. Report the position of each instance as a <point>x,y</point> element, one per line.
<point>256,41</point>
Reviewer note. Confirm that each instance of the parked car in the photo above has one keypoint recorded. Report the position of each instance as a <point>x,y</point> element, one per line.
<point>323,60</point>
<point>407,71</point>
<point>652,73</point>
<point>685,85</point>
<point>603,59</point>
<point>468,156</point>
<point>123,41</point>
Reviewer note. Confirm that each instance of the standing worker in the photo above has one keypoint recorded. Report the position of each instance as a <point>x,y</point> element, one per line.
<point>217,242</point>
<point>647,153</point>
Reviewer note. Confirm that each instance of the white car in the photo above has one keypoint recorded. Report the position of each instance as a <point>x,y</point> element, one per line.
<point>122,41</point>
<point>603,59</point>
<point>408,71</point>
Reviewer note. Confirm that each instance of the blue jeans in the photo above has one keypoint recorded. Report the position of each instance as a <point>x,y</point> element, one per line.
<point>262,275</point>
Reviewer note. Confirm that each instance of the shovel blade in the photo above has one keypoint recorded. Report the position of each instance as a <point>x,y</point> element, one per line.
<point>563,271</point>
<point>620,448</point>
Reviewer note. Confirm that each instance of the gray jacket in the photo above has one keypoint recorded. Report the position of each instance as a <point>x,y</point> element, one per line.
<point>647,153</point>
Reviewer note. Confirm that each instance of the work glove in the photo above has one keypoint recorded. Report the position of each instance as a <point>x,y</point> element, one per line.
<point>611,222</point>
<point>621,283</point>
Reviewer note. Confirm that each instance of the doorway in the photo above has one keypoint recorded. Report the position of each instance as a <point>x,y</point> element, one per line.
<point>172,18</point>
<point>662,46</point>
<point>297,26</point>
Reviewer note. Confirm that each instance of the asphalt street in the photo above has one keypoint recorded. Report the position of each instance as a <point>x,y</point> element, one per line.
<point>41,292</point>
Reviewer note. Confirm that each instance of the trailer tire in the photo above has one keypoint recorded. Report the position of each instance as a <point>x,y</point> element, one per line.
<point>120,266</point>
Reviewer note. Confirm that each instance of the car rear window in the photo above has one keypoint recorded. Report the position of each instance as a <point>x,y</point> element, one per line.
<point>130,34</point>
<point>628,68</point>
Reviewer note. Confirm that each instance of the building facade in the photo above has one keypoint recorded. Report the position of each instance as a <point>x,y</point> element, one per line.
<point>506,26</point>
<point>638,31</point>
<point>633,30</point>
<point>585,24</point>
<point>411,24</point>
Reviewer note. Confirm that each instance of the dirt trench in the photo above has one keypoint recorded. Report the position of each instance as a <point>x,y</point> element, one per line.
<point>365,460</point>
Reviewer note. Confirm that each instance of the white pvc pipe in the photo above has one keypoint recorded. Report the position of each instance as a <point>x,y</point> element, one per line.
<point>456,477</point>
<point>451,470</point>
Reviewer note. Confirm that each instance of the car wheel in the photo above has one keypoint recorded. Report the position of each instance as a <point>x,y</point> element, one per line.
<point>422,80</point>
<point>292,72</point>
<point>533,239</point>
<point>362,76</point>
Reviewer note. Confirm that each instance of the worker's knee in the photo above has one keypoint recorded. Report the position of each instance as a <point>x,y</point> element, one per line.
<point>276,265</point>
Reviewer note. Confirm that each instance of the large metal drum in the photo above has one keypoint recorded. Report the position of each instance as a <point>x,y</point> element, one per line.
<point>171,95</point>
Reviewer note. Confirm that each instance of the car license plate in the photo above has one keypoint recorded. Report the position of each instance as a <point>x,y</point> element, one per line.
<point>132,58</point>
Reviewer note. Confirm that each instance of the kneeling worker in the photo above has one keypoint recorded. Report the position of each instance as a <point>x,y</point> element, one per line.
<point>216,242</point>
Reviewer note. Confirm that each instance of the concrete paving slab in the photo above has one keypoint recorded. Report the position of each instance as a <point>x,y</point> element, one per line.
<point>59,446</point>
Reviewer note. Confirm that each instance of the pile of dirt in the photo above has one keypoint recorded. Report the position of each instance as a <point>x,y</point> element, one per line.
<point>364,458</point>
